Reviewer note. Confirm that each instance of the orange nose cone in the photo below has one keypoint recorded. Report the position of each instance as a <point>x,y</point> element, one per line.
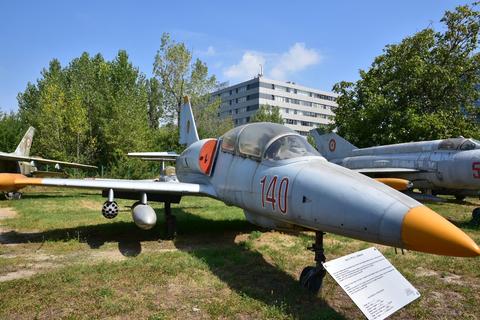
<point>425,230</point>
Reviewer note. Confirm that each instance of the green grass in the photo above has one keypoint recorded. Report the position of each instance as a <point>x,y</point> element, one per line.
<point>219,266</point>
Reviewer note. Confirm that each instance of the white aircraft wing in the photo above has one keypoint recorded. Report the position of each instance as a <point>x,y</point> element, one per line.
<point>385,170</point>
<point>154,156</point>
<point>171,188</point>
<point>15,157</point>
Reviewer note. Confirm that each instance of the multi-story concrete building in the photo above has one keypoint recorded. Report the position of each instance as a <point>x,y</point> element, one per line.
<point>302,108</point>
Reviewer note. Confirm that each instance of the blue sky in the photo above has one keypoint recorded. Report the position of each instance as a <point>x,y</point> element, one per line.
<point>314,43</point>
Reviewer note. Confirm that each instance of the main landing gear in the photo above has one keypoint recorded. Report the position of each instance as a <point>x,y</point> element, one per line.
<point>12,195</point>
<point>311,277</point>
<point>170,222</point>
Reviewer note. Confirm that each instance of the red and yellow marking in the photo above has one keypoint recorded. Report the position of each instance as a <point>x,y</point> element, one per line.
<point>15,181</point>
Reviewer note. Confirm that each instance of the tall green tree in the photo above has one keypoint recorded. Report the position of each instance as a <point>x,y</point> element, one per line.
<point>423,88</point>
<point>208,121</point>
<point>91,111</point>
<point>155,99</point>
<point>178,77</point>
<point>268,113</point>
<point>11,131</point>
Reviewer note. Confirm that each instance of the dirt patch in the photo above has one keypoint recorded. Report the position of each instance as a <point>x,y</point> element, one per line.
<point>20,274</point>
<point>422,272</point>
<point>7,213</point>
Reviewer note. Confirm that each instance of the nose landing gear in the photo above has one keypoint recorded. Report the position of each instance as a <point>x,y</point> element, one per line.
<point>311,277</point>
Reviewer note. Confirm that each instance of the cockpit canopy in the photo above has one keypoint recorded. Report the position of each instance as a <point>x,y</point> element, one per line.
<point>269,140</point>
<point>459,144</point>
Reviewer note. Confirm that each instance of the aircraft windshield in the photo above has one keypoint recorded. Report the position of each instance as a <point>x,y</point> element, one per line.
<point>459,144</point>
<point>288,147</point>
<point>451,144</point>
<point>251,139</point>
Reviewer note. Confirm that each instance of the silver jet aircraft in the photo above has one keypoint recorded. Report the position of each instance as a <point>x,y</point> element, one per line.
<point>449,166</point>
<point>281,182</point>
<point>21,162</point>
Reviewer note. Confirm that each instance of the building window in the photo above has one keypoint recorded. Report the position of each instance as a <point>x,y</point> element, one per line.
<point>303,93</point>
<point>242,99</point>
<point>305,103</point>
<point>291,121</point>
<point>242,89</point>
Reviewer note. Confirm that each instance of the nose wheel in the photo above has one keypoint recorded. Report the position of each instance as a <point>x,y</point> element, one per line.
<point>311,277</point>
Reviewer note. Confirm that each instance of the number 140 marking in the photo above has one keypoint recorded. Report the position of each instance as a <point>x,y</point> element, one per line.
<point>274,196</point>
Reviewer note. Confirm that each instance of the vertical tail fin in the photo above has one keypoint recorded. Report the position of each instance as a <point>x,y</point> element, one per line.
<point>23,148</point>
<point>332,146</point>
<point>188,128</point>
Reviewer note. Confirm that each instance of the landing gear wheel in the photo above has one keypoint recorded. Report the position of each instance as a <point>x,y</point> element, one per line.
<point>8,195</point>
<point>476,216</point>
<point>311,277</point>
<point>12,195</point>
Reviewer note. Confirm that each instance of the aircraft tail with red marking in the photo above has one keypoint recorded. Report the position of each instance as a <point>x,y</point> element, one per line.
<point>331,145</point>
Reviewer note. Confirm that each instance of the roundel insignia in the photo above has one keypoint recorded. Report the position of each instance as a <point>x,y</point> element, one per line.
<point>332,145</point>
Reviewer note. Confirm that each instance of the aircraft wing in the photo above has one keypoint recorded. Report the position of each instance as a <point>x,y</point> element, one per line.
<point>170,188</point>
<point>154,156</point>
<point>385,170</point>
<point>14,157</point>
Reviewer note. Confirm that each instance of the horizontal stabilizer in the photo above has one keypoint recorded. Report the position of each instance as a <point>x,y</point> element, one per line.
<point>154,156</point>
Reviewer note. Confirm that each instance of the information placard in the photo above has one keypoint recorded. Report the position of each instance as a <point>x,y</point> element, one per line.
<point>372,282</point>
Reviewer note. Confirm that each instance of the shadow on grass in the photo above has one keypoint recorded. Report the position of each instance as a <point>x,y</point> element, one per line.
<point>212,241</point>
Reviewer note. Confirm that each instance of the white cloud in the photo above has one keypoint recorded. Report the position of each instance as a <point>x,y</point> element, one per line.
<point>296,59</point>
<point>248,67</point>
<point>277,65</point>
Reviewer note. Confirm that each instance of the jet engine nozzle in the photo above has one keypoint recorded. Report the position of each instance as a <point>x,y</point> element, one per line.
<point>144,216</point>
<point>110,209</point>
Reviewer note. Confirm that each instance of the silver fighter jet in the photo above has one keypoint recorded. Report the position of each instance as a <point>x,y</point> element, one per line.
<point>449,166</point>
<point>21,162</point>
<point>281,182</point>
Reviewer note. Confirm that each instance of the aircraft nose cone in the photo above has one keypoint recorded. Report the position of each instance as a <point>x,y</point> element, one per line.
<point>425,230</point>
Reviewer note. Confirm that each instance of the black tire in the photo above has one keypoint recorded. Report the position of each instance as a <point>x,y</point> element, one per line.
<point>311,279</point>
<point>460,197</point>
<point>476,216</point>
